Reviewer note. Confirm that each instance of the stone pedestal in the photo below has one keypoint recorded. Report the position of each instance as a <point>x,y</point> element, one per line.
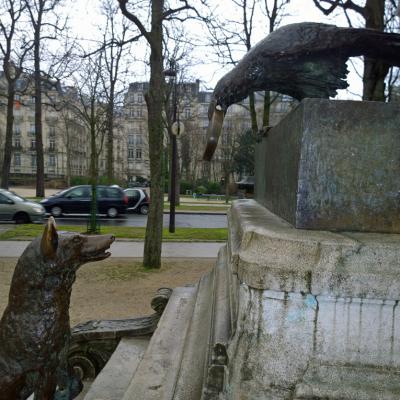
<point>288,313</point>
<point>333,165</point>
<point>317,312</point>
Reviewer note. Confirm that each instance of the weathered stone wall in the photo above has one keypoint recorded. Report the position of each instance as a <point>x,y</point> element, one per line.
<point>317,312</point>
<point>333,165</point>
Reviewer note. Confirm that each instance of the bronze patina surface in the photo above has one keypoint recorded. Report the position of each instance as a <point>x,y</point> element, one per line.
<point>333,165</point>
<point>301,60</point>
<point>35,329</point>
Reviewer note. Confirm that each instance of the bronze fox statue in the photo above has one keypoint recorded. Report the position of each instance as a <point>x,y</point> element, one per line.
<point>35,328</point>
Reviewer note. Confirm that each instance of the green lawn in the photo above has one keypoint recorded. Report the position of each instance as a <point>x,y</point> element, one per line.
<point>23,232</point>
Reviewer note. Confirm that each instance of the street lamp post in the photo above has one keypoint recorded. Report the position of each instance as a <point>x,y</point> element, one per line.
<point>171,72</point>
<point>172,203</point>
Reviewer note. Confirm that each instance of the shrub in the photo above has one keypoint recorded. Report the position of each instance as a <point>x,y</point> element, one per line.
<point>79,180</point>
<point>85,180</point>
<point>214,188</point>
<point>201,189</point>
<point>185,185</point>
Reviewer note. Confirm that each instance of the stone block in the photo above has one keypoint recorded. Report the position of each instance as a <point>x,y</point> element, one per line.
<point>318,312</point>
<point>333,165</point>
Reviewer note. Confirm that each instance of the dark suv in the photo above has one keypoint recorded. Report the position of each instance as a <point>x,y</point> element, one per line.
<point>111,200</point>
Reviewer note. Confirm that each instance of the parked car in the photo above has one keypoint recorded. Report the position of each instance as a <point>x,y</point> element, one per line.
<point>139,184</point>
<point>138,200</point>
<point>18,209</point>
<point>111,200</point>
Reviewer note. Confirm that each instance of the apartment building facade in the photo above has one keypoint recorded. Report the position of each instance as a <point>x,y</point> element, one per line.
<point>66,138</point>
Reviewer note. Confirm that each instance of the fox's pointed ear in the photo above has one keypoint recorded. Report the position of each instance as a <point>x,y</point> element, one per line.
<point>49,241</point>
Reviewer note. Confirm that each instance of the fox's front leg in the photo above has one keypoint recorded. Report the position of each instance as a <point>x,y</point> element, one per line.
<point>46,386</point>
<point>69,384</point>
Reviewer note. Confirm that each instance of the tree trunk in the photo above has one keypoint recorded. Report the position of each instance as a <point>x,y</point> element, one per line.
<point>155,97</point>
<point>38,114</point>
<point>5,177</point>
<point>267,108</point>
<point>374,71</point>
<point>253,113</point>
<point>93,174</point>
<point>110,137</point>
<point>68,152</point>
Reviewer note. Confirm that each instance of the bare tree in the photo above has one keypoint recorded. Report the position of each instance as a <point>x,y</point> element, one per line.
<point>159,12</point>
<point>13,48</point>
<point>275,11</point>
<point>114,46</point>
<point>373,14</point>
<point>89,103</point>
<point>39,15</point>
<point>70,130</point>
<point>231,36</point>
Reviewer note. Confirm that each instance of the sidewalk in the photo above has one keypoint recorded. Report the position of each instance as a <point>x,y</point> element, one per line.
<point>133,249</point>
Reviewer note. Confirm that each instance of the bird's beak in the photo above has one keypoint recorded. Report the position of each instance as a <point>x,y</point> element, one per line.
<point>213,133</point>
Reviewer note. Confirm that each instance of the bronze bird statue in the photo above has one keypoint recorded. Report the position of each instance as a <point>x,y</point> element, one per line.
<point>300,60</point>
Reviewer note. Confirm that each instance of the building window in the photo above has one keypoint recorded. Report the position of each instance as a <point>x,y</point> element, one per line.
<point>132,112</point>
<point>52,131</point>
<point>131,140</point>
<point>139,140</point>
<point>32,130</point>
<point>19,84</point>
<point>32,100</point>
<point>52,160</point>
<point>139,111</point>
<point>140,98</point>
<point>138,154</point>
<point>33,160</point>
<point>33,144</point>
<point>187,112</point>
<point>17,130</point>
<point>17,159</point>
<point>131,153</point>
<point>17,143</point>
<point>52,145</point>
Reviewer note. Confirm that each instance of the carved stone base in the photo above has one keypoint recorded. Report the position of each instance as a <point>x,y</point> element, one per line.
<point>318,313</point>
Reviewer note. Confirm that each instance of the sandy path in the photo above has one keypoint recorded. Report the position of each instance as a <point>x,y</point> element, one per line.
<point>118,287</point>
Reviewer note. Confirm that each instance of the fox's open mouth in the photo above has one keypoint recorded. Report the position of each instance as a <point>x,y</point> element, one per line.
<point>97,256</point>
<point>97,251</point>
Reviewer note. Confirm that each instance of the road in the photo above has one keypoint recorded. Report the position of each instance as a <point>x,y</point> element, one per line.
<point>181,220</point>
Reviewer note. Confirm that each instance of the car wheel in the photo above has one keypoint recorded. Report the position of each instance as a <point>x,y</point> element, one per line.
<point>112,212</point>
<point>56,211</point>
<point>144,209</point>
<point>22,218</point>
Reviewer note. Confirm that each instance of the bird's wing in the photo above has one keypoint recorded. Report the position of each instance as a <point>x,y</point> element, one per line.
<point>309,59</point>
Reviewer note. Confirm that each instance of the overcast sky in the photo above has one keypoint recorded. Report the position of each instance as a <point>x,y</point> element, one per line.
<point>85,20</point>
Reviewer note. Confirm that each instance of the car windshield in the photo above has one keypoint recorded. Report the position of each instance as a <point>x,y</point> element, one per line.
<point>61,192</point>
<point>13,196</point>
